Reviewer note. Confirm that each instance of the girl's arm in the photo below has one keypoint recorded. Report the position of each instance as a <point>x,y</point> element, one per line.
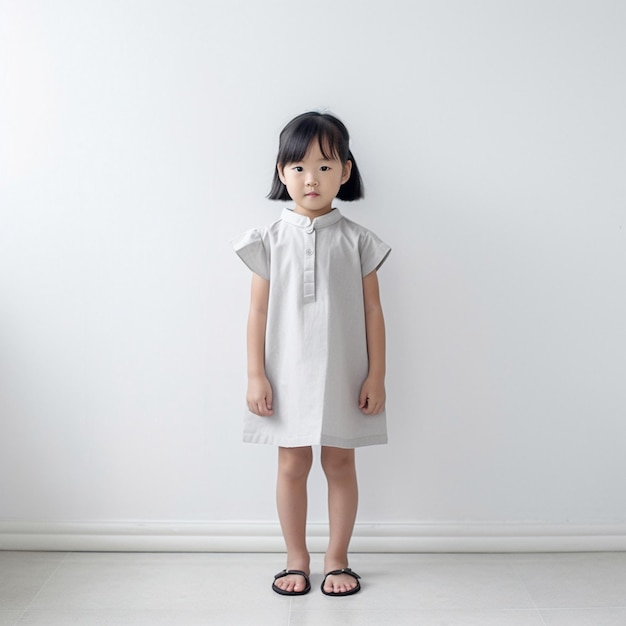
<point>259,394</point>
<point>372,397</point>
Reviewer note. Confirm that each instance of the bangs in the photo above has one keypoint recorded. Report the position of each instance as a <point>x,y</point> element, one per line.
<point>295,141</point>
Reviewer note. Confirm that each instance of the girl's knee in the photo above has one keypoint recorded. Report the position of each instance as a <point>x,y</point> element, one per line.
<point>337,461</point>
<point>295,463</point>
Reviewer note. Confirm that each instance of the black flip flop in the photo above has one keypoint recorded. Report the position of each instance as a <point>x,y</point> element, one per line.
<point>348,571</point>
<point>287,572</point>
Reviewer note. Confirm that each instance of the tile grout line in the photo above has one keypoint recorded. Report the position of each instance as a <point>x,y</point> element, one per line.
<point>41,588</point>
<point>528,591</point>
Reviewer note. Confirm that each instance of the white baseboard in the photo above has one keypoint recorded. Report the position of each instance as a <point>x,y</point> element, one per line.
<point>266,537</point>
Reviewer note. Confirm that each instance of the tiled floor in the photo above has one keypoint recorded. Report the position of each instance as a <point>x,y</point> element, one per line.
<point>109,589</point>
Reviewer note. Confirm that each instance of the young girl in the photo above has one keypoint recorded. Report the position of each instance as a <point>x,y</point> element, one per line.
<point>316,341</point>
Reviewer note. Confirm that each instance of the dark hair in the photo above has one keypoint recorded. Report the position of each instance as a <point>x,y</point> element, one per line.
<point>334,142</point>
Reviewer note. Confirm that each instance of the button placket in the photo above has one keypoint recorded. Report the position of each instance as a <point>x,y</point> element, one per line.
<point>309,265</point>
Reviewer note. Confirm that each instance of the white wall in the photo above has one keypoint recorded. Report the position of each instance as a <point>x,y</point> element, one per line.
<point>136,138</point>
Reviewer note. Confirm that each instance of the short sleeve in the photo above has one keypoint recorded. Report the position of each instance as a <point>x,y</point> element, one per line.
<point>373,250</point>
<point>252,252</point>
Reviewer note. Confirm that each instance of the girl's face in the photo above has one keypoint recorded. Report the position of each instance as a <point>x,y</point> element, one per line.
<point>314,182</point>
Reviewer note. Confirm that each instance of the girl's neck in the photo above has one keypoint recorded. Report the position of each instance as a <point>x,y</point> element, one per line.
<point>312,214</point>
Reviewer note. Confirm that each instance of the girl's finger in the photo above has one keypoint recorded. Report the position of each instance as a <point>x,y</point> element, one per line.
<point>363,400</point>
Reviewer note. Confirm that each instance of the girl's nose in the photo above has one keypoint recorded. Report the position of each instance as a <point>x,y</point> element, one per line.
<point>311,181</point>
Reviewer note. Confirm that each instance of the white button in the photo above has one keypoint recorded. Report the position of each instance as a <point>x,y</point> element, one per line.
<point>310,230</point>
<point>309,252</point>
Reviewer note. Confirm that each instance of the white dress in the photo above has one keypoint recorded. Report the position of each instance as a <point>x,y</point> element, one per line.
<point>315,344</point>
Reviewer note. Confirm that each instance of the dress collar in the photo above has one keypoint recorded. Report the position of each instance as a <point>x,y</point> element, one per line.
<point>328,219</point>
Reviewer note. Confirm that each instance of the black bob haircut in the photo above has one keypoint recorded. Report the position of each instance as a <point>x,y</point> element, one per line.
<point>334,142</point>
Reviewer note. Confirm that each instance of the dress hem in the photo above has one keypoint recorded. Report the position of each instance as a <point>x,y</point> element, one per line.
<point>325,440</point>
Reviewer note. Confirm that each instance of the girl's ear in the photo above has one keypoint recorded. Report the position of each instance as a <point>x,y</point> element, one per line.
<point>281,176</point>
<point>347,170</point>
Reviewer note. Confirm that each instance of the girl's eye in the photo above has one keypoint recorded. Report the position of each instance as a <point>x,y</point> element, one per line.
<point>324,168</point>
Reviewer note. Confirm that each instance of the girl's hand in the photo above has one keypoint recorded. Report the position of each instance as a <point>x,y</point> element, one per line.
<point>259,396</point>
<point>372,397</point>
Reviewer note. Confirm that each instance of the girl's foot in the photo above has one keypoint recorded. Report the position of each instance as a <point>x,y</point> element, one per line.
<point>338,584</point>
<point>294,583</point>
<point>292,590</point>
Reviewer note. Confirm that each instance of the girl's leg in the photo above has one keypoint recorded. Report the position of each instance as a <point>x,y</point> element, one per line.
<point>294,465</point>
<point>340,470</point>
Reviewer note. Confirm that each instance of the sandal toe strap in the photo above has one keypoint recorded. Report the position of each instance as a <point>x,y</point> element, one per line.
<point>287,572</point>
<point>345,570</point>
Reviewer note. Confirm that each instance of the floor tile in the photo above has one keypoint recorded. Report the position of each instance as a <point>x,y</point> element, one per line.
<point>567,581</point>
<point>109,589</point>
<point>22,574</point>
<point>584,617</point>
<point>9,618</point>
<point>235,616</point>
<point>157,582</point>
<point>431,582</point>
<point>338,617</point>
